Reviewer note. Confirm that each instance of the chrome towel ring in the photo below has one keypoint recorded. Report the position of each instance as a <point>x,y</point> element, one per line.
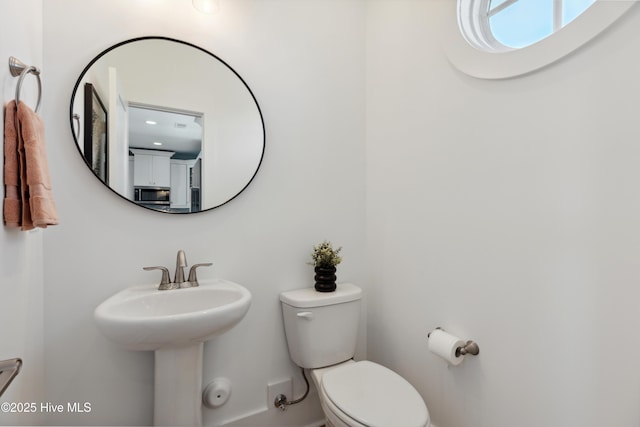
<point>20,69</point>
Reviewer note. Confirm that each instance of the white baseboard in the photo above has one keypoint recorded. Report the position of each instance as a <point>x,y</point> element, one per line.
<point>307,413</point>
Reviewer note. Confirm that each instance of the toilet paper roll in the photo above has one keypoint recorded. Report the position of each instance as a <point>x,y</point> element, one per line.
<point>445,345</point>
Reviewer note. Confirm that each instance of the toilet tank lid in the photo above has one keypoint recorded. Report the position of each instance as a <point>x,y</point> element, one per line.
<point>309,297</point>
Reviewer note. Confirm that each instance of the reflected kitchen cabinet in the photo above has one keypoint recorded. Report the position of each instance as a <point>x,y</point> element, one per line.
<point>151,168</point>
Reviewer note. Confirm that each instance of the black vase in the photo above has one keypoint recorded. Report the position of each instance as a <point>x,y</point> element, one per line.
<point>325,279</point>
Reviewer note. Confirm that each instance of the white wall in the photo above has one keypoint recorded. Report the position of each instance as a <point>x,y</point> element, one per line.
<point>307,77</point>
<point>505,212</point>
<point>21,305</point>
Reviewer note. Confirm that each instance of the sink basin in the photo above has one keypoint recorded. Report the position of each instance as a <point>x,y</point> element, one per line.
<point>174,324</point>
<point>144,318</point>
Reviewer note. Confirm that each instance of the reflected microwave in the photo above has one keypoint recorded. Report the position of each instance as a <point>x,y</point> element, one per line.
<point>152,195</point>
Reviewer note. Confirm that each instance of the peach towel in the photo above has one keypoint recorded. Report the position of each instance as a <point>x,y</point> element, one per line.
<point>36,207</point>
<point>12,205</point>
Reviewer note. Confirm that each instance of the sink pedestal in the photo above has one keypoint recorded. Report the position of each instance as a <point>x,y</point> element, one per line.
<point>178,386</point>
<point>174,324</point>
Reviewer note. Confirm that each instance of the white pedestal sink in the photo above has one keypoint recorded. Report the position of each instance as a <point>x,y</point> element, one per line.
<point>174,324</point>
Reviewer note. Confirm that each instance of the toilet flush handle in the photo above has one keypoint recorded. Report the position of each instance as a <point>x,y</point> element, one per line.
<point>305,314</point>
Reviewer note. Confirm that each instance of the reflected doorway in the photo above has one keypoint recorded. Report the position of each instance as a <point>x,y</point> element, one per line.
<point>165,148</point>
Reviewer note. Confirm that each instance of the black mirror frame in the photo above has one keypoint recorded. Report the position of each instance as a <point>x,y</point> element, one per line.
<point>89,165</point>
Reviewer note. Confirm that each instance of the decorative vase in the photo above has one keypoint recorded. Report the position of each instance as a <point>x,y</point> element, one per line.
<point>325,279</point>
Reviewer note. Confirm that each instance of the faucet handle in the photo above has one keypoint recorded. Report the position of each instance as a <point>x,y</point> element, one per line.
<point>165,282</point>
<point>193,279</point>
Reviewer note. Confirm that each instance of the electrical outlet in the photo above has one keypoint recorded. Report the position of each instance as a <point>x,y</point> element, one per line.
<point>274,388</point>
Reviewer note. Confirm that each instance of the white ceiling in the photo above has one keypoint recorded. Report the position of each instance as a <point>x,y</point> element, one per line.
<point>179,132</point>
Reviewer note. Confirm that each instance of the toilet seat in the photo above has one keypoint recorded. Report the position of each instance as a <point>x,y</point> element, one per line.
<point>374,396</point>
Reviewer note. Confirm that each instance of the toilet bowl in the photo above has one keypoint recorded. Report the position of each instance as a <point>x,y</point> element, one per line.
<point>366,394</point>
<point>321,330</point>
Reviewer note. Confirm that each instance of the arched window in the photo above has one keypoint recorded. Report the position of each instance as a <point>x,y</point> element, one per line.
<point>499,25</point>
<point>505,38</point>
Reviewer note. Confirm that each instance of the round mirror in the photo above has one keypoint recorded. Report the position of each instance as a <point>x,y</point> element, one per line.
<point>167,125</point>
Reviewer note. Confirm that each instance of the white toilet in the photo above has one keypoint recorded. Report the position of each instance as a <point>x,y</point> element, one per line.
<point>321,330</point>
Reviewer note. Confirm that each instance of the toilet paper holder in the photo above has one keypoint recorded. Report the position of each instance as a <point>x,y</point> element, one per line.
<point>469,348</point>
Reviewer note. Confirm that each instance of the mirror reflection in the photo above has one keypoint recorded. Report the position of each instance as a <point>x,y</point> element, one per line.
<point>167,125</point>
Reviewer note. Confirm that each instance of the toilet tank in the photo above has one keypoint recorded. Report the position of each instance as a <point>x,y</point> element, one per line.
<point>321,327</point>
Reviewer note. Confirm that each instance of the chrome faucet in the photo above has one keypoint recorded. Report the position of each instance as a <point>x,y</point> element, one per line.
<point>178,279</point>
<point>181,263</point>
